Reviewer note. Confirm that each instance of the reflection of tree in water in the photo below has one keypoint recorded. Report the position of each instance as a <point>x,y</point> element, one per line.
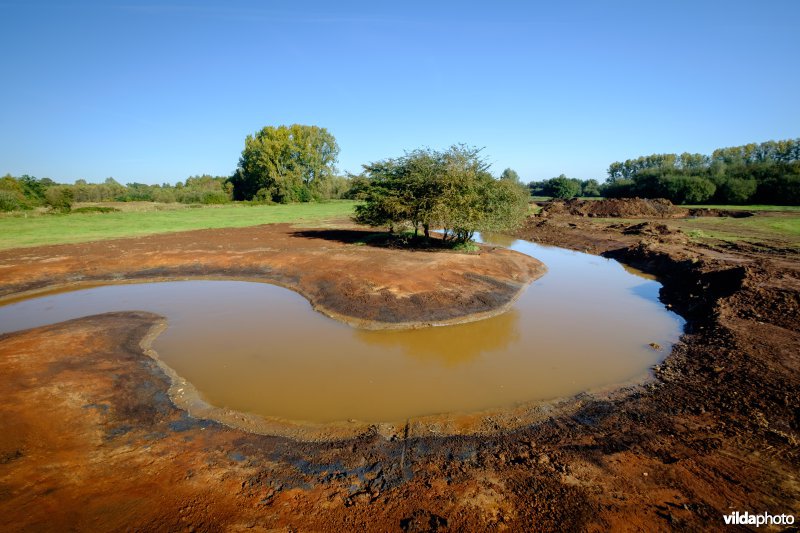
<point>450,345</point>
<point>497,239</point>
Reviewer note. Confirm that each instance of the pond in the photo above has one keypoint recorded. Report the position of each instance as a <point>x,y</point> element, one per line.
<point>259,348</point>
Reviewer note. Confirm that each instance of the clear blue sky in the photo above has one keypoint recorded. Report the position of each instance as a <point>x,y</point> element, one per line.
<point>157,91</point>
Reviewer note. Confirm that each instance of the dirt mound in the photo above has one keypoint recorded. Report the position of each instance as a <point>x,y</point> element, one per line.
<point>615,207</point>
<point>648,228</point>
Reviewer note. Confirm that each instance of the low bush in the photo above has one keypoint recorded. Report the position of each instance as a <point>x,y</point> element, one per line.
<point>96,209</point>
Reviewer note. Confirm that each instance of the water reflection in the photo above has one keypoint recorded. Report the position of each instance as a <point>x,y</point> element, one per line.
<point>260,348</point>
<point>497,239</point>
<point>451,345</point>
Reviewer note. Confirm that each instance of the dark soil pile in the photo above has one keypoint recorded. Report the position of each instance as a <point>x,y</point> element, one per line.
<point>648,228</point>
<point>615,208</point>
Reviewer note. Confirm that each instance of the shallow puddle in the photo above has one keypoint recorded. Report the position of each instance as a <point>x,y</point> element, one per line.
<point>253,347</point>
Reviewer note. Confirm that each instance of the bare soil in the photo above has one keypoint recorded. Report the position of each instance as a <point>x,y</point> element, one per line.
<point>89,439</point>
<point>367,286</point>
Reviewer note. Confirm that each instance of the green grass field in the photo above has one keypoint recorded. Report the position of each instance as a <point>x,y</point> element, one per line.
<point>773,229</point>
<point>752,229</point>
<point>35,229</point>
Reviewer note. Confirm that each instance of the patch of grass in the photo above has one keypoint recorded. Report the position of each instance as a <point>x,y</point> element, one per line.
<point>466,247</point>
<point>42,229</point>
<point>773,230</point>
<point>787,226</point>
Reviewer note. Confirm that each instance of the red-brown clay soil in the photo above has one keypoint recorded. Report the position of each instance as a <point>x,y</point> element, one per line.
<point>89,439</point>
<point>368,286</point>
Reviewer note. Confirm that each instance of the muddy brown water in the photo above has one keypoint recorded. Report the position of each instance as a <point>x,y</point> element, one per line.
<point>259,348</point>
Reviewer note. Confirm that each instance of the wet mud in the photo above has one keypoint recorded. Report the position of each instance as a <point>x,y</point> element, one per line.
<point>89,439</point>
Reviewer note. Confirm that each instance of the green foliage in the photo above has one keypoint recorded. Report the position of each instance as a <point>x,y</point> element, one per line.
<point>95,209</point>
<point>203,189</point>
<point>33,189</point>
<point>292,162</point>
<point>510,175</point>
<point>737,191</point>
<point>466,247</point>
<point>59,198</point>
<point>562,187</point>
<point>688,189</point>
<point>768,173</point>
<point>12,194</point>
<point>620,188</point>
<point>590,188</point>
<point>9,201</point>
<point>451,190</point>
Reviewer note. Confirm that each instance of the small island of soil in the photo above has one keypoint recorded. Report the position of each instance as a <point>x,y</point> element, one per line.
<point>339,271</point>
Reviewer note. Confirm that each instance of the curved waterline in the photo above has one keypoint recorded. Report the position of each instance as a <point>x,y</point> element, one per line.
<point>261,349</point>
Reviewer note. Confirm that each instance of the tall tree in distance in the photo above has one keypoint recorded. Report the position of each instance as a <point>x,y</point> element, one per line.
<point>285,163</point>
<point>510,174</point>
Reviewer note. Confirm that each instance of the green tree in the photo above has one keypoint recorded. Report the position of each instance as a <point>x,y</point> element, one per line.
<point>59,198</point>
<point>451,190</point>
<point>590,188</point>
<point>13,194</point>
<point>765,172</point>
<point>737,191</point>
<point>9,201</point>
<point>510,175</point>
<point>289,161</point>
<point>688,189</point>
<point>562,187</point>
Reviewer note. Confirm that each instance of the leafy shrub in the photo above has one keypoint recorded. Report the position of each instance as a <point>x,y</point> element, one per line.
<point>59,198</point>
<point>468,246</point>
<point>205,197</point>
<point>737,191</point>
<point>96,209</point>
<point>688,189</point>
<point>562,187</point>
<point>9,201</point>
<point>620,188</point>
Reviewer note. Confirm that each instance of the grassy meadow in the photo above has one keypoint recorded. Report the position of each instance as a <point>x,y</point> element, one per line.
<point>25,229</point>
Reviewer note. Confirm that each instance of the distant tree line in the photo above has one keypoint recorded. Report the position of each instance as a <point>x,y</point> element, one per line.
<point>564,187</point>
<point>27,192</point>
<point>767,173</point>
<point>278,164</point>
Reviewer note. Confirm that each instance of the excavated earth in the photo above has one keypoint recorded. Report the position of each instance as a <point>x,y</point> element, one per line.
<point>90,440</point>
<point>368,286</point>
